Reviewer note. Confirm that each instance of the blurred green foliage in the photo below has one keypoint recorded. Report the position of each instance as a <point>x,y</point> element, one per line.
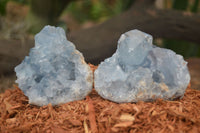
<point>194,8</point>
<point>4,2</point>
<point>97,10</point>
<point>180,4</point>
<point>187,49</point>
<point>100,10</point>
<point>22,1</point>
<point>3,6</point>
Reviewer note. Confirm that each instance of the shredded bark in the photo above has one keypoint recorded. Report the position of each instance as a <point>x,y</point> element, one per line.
<point>91,115</point>
<point>95,114</point>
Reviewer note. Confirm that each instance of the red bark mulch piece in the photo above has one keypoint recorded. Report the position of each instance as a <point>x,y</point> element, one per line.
<point>95,114</point>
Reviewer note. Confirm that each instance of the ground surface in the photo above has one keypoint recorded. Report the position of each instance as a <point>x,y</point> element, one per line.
<point>95,114</point>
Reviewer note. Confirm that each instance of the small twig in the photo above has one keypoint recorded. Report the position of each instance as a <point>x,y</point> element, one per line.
<point>91,115</point>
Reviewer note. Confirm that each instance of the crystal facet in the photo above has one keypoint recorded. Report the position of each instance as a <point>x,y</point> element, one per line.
<point>139,70</point>
<point>54,72</point>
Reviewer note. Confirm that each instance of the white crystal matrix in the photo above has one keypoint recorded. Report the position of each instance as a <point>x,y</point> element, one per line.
<point>54,72</point>
<point>139,70</point>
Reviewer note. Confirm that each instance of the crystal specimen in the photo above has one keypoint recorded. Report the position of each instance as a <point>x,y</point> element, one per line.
<point>54,72</point>
<point>139,70</point>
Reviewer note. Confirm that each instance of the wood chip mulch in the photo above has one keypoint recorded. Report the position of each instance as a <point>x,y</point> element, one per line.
<point>95,114</point>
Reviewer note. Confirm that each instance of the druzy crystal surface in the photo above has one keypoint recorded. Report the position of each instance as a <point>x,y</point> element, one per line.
<point>54,72</point>
<point>138,70</point>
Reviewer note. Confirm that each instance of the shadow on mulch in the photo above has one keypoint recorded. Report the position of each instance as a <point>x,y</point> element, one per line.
<point>95,114</point>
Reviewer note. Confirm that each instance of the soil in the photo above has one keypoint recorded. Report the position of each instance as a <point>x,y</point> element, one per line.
<point>95,114</point>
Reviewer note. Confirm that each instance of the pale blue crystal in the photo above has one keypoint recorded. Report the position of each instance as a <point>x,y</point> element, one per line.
<point>54,72</point>
<point>139,70</point>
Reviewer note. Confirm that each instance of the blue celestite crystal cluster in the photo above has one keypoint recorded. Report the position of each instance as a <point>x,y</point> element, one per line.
<point>54,72</point>
<point>139,70</point>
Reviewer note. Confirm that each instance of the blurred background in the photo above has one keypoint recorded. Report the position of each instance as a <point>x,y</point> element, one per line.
<point>94,26</point>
